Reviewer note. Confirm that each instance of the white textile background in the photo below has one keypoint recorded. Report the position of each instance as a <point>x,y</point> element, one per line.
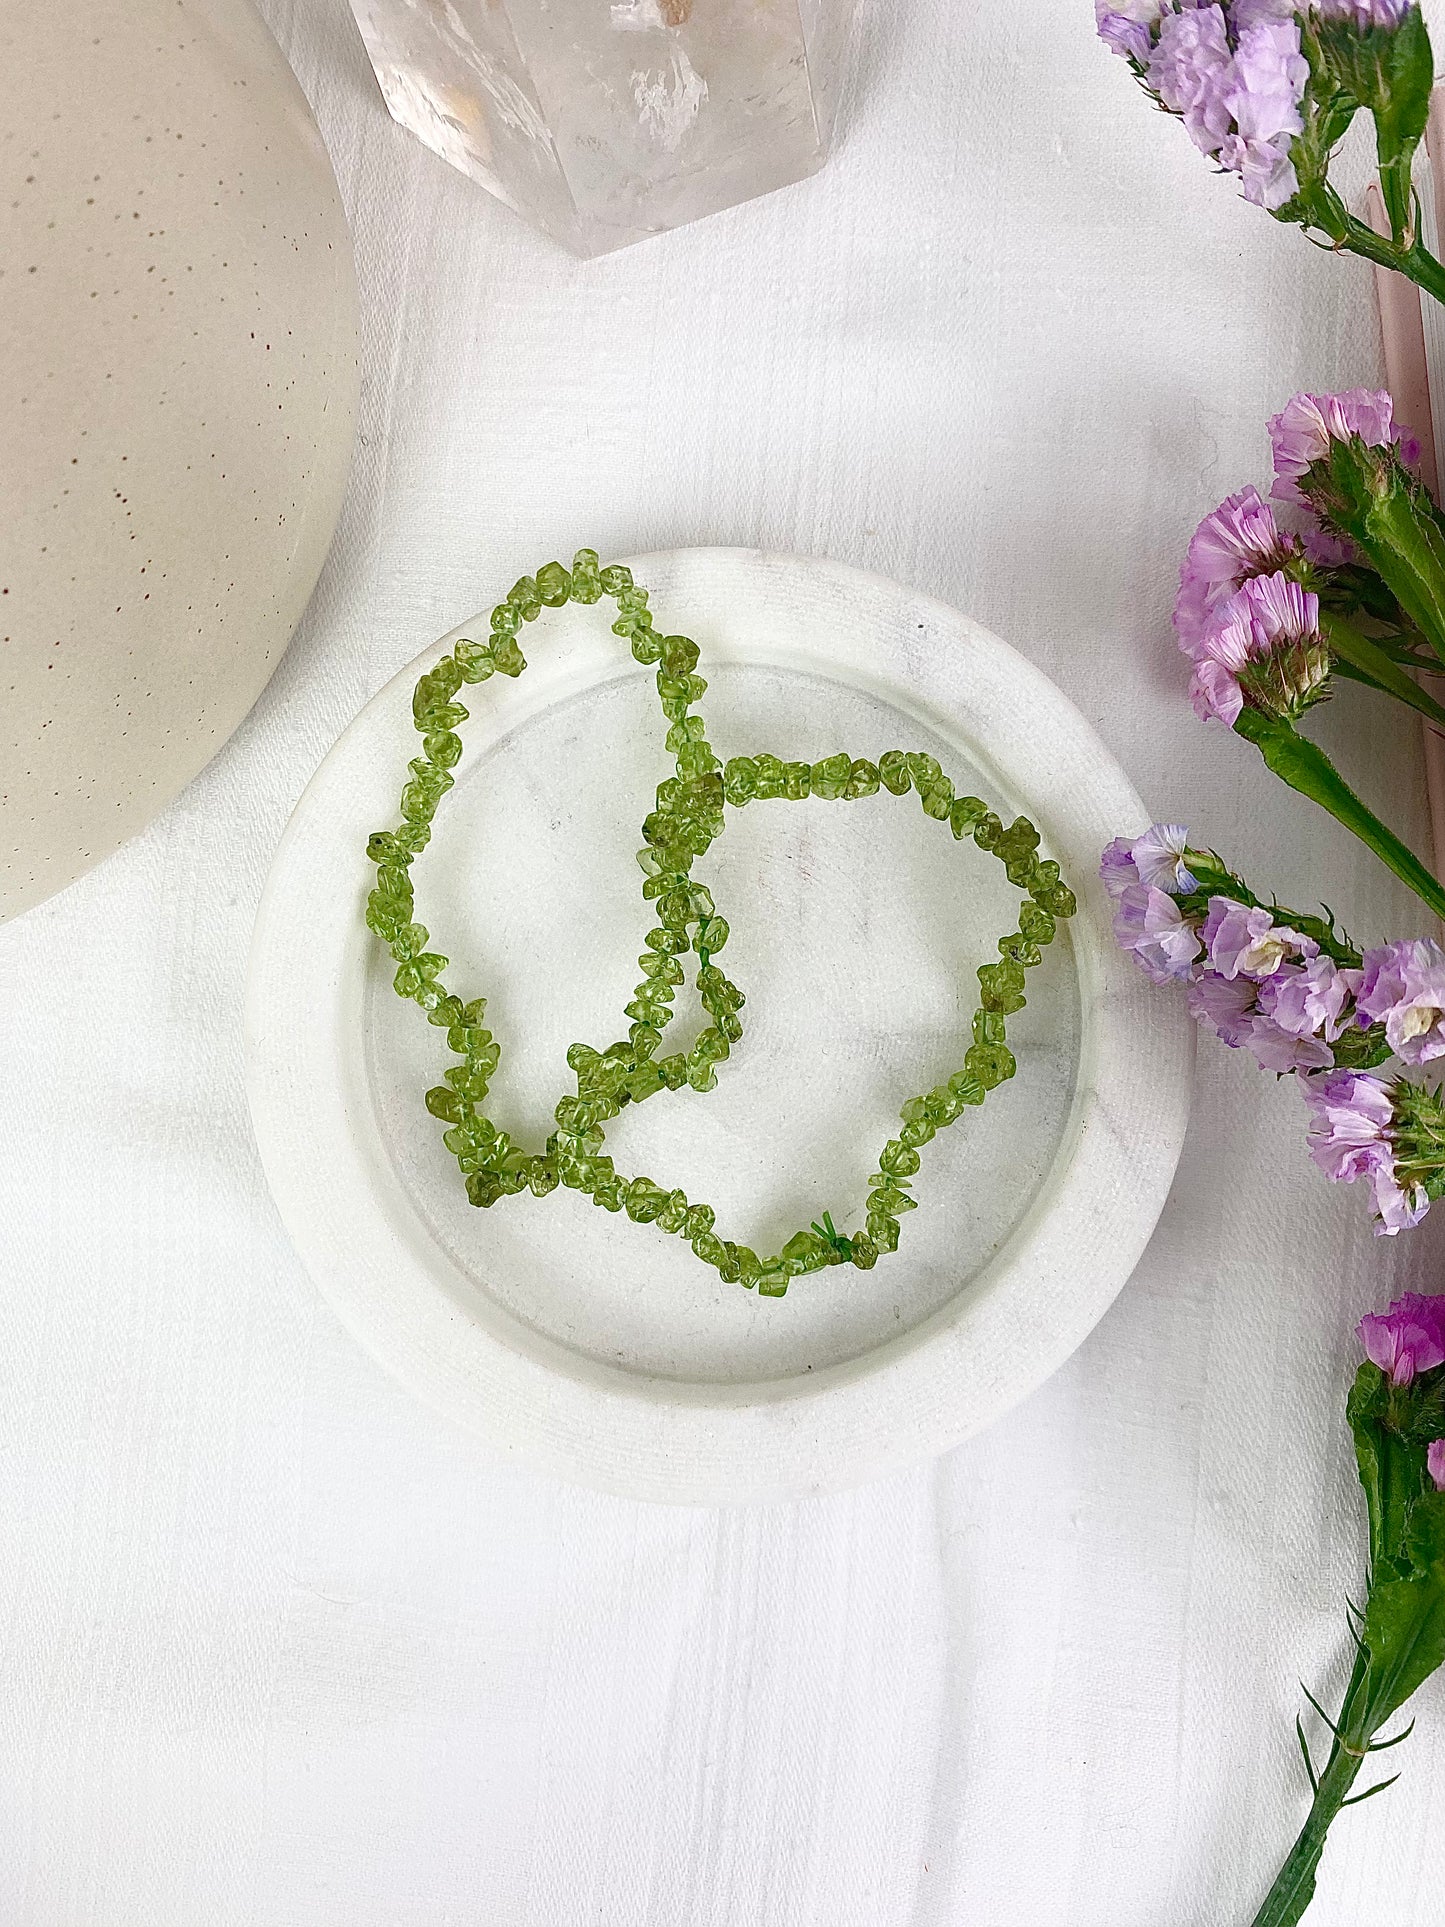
<point>282,1649</point>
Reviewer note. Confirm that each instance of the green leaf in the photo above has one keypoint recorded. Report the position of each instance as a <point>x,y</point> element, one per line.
<point>1358,1799</point>
<point>1304,1747</point>
<point>1426,1535</point>
<point>1422,1418</point>
<point>1405,1633</point>
<point>1305,768</point>
<point>1399,1739</point>
<point>1372,665</point>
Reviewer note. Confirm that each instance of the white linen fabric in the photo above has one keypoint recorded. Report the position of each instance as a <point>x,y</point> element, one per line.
<point>283,1649</point>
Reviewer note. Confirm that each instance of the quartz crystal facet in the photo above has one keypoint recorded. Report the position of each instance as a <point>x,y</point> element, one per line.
<point>604,121</point>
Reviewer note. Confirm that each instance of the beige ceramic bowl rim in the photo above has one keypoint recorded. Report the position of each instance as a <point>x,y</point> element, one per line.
<point>547,1407</point>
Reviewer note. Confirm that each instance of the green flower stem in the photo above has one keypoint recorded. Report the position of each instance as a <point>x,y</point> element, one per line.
<point>1400,1636</point>
<point>1293,1891</point>
<point>1399,1648</point>
<point>1305,768</point>
<point>1318,206</point>
<point>1412,259</point>
<point>1421,267</point>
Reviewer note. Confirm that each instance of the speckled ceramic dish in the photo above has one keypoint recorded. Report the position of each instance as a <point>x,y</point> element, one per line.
<point>602,1350</point>
<point>178,369</point>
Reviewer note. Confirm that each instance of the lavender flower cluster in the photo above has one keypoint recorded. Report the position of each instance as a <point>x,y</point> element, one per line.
<point>1264,986</point>
<point>1406,1340</point>
<point>1234,74</point>
<point>1243,617</point>
<point>1403,1342</point>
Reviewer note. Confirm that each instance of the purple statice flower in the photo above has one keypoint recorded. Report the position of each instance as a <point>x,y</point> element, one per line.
<point>1406,1339</point>
<point>1221,658</point>
<point>1237,540</point>
<point>1121,35</point>
<point>1236,79</point>
<point>1395,1208</point>
<point>1267,174</point>
<point>1117,867</point>
<point>1263,640</point>
<point>1302,431</point>
<point>1159,858</point>
<point>1233,1009</point>
<point>1350,1117</point>
<point>1364,14</point>
<point>1310,999</point>
<point>1351,1114</point>
<point>1243,940</point>
<point>1127,26</point>
<point>1224,1005</point>
<point>1324,548</point>
<point>1191,69</point>
<point>1267,84</point>
<point>1156,858</point>
<point>1249,13</point>
<point>1301,1009</point>
<point>1149,923</point>
<point>1435,1463</point>
<point>1404,988</point>
<point>1274,1049</point>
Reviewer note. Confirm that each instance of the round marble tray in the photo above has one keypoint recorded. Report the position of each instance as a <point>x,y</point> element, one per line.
<point>603,1351</point>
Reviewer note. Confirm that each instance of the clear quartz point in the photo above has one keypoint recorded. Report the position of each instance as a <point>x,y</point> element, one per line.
<point>605,121</point>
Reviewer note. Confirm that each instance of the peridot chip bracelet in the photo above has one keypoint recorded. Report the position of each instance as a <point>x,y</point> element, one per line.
<point>689,816</point>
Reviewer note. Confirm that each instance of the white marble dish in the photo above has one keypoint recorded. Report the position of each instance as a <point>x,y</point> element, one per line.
<point>600,1350</point>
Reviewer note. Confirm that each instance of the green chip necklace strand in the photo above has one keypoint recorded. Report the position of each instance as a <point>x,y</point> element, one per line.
<point>689,816</point>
